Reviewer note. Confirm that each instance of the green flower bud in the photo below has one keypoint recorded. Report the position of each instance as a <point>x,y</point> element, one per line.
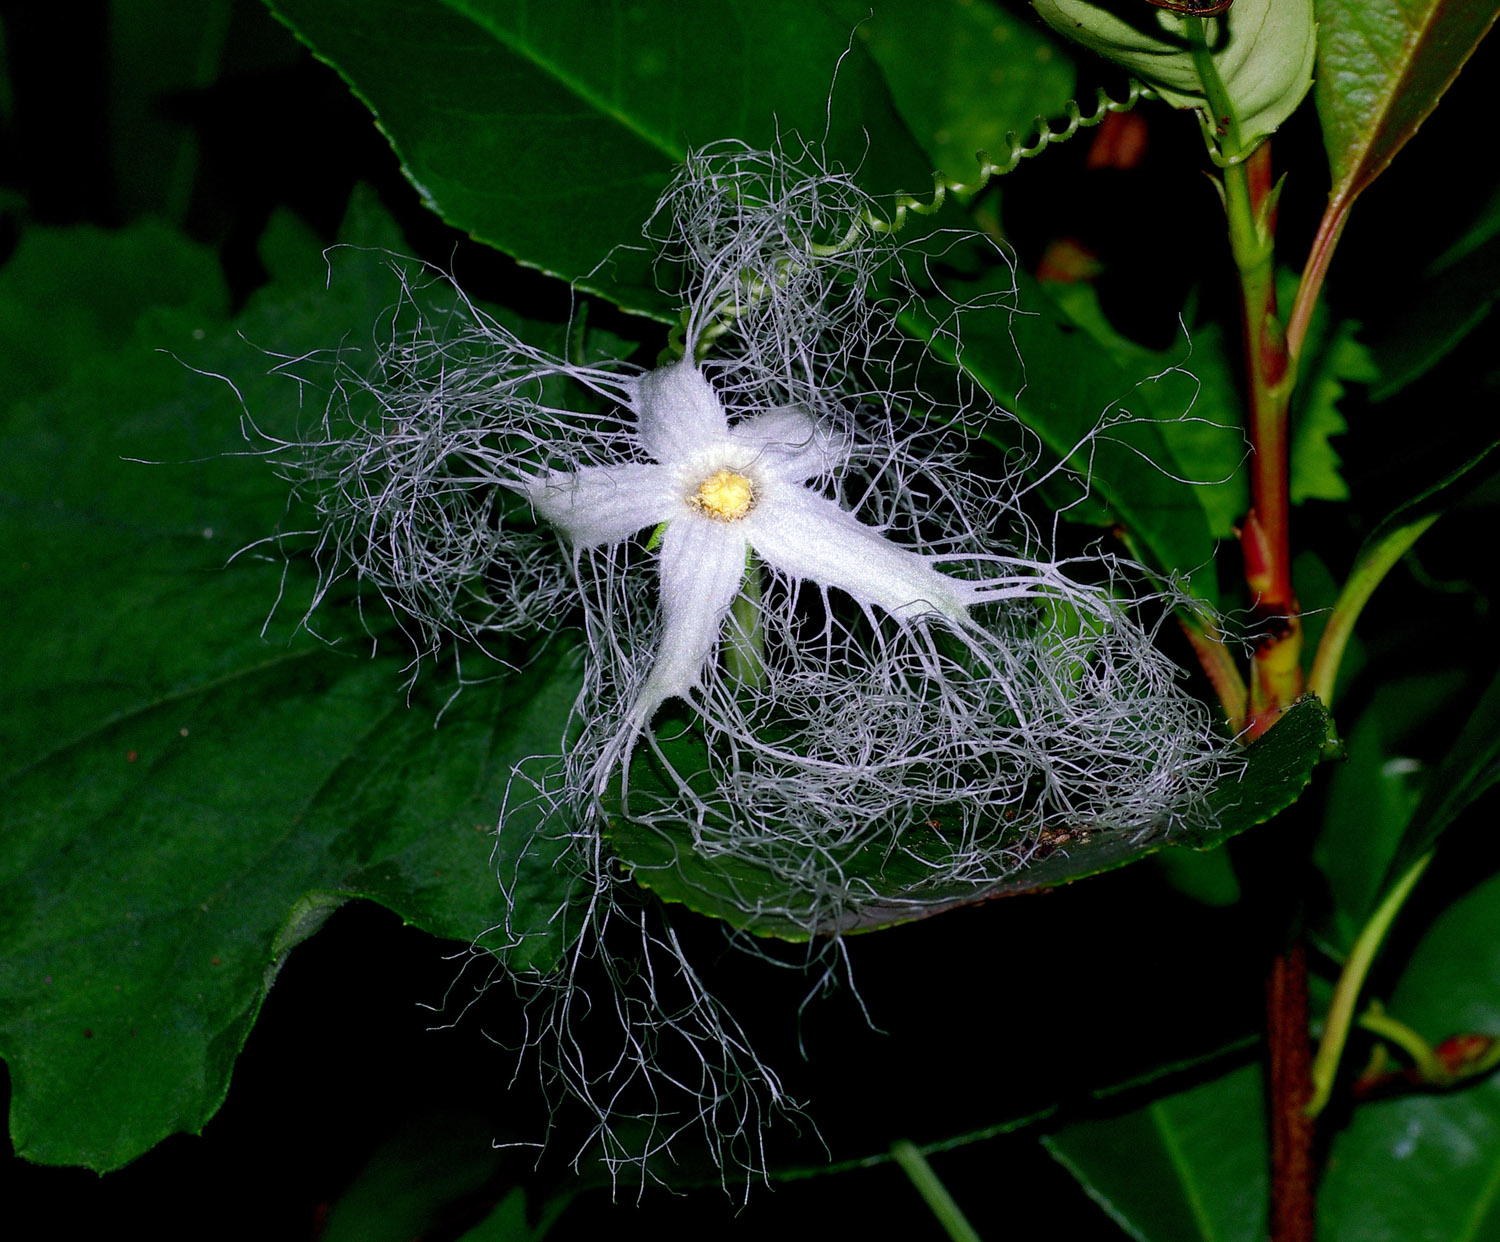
<point>1253,62</point>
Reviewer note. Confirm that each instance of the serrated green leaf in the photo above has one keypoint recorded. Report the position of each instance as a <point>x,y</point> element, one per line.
<point>1382,67</point>
<point>1193,387</point>
<point>1331,357</point>
<point>550,130</point>
<point>185,799</point>
<point>963,73</point>
<point>1278,768</point>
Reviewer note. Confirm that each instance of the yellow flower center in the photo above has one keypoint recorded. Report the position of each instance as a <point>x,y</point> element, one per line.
<point>724,495</point>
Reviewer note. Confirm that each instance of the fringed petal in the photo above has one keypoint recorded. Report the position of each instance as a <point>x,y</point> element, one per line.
<point>602,504</point>
<point>678,412</point>
<point>807,536</point>
<point>789,443</point>
<point>702,567</point>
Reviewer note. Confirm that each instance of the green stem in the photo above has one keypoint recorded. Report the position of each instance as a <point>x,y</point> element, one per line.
<point>1224,122</point>
<point>1369,571</point>
<point>936,1195</point>
<point>1351,982</point>
<point>745,635</point>
<point>1378,1022</point>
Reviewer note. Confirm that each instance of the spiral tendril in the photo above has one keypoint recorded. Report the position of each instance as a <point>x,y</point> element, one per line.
<point>722,318</point>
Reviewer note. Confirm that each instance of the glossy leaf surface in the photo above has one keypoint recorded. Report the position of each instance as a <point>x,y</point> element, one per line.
<point>1382,67</point>
<point>549,130</point>
<point>186,799</point>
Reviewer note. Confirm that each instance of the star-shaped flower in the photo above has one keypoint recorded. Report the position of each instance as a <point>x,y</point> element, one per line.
<point>725,490</point>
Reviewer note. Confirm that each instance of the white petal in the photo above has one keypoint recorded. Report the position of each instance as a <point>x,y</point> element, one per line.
<point>678,413</point>
<point>702,567</point>
<point>790,443</point>
<point>808,536</point>
<point>602,504</point>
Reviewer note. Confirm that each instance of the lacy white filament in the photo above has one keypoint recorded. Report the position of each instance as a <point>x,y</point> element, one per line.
<point>784,533</point>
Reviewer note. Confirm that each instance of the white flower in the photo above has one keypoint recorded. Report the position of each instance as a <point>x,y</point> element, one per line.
<point>795,542</point>
<point>722,491</point>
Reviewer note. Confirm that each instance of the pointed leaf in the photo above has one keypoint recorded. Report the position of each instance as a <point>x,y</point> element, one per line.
<point>1191,1165</point>
<point>1382,67</point>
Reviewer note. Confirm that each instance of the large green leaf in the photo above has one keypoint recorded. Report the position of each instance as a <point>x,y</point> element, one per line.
<point>964,73</point>
<point>1331,357</point>
<point>1382,67</point>
<point>549,130</point>
<point>1278,768</point>
<point>186,799</point>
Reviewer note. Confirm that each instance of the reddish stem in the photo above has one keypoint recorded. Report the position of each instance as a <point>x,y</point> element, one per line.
<point>1276,674</point>
<point>1290,1073</point>
<point>1276,670</point>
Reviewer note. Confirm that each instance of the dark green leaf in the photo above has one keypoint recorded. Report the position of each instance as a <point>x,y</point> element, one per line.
<point>417,1174</point>
<point>185,799</point>
<point>160,49</point>
<point>66,294</point>
<point>1191,1165</point>
<point>1455,299</point>
<point>1278,768</point>
<point>1194,390</point>
<point>550,130</point>
<point>1416,1169</point>
<point>1066,388</point>
<point>1369,801</point>
<point>1382,67</point>
<point>964,73</point>
<point>1471,767</point>
<point>1438,496</point>
<point>509,1221</point>
<point>1425,1168</point>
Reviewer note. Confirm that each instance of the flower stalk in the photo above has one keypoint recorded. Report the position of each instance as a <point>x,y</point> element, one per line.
<point>745,634</point>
